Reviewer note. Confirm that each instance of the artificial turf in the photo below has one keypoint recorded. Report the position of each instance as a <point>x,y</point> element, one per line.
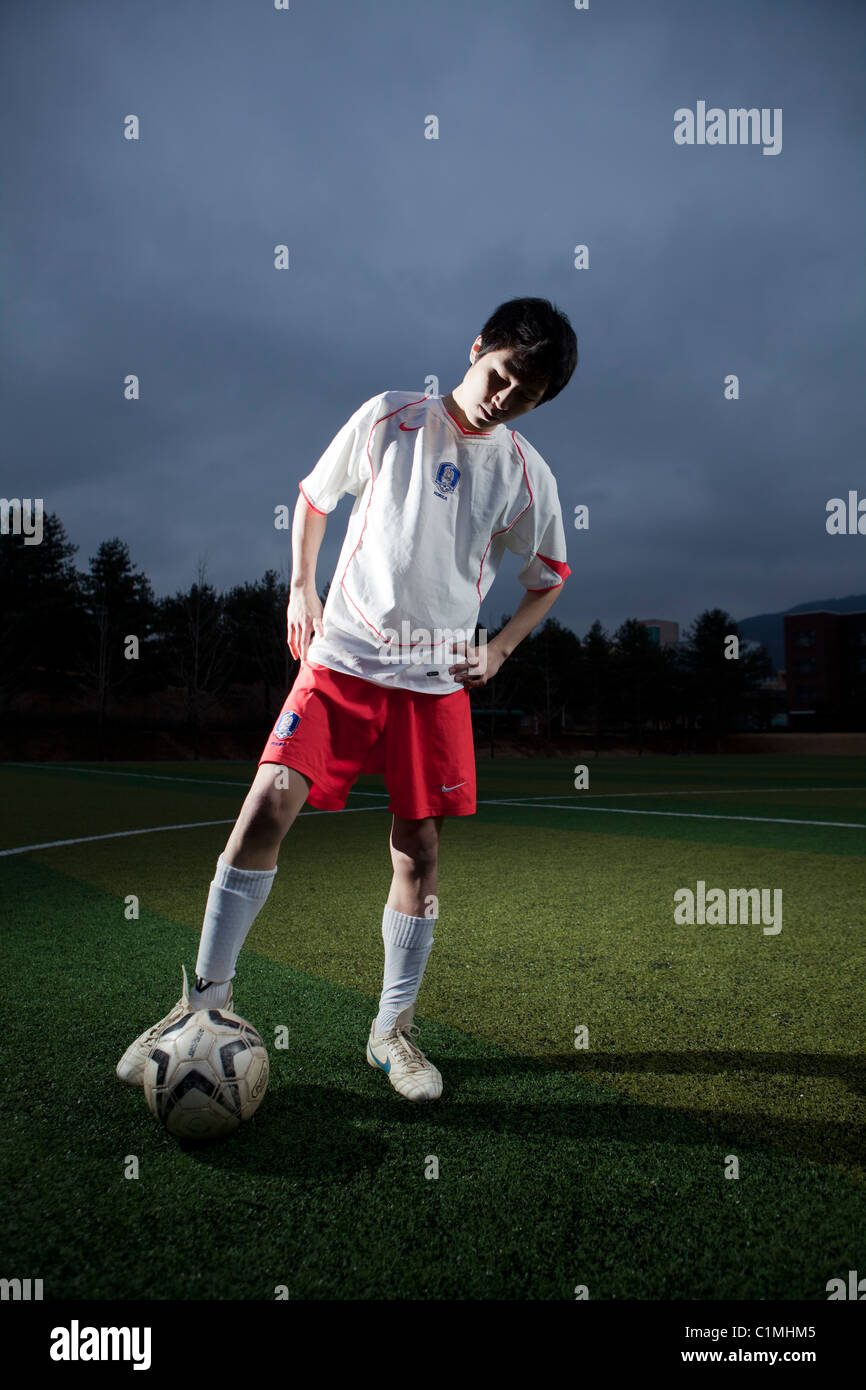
<point>601,1167</point>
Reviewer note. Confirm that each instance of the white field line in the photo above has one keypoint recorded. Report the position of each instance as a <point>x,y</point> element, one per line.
<point>113,835</point>
<point>155,830</point>
<point>529,802</point>
<point>705,791</point>
<point>214,782</point>
<point>151,776</point>
<point>684,815</point>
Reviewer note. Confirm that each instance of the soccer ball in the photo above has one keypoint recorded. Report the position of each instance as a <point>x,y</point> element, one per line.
<point>206,1072</point>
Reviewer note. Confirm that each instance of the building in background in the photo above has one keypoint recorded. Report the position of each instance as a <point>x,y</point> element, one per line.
<point>663,632</point>
<point>825,662</point>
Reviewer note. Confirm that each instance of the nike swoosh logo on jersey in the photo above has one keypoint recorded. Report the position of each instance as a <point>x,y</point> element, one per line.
<point>409,427</point>
<point>454,788</point>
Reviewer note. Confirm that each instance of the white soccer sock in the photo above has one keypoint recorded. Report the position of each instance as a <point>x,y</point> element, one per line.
<point>408,943</point>
<point>235,899</point>
<point>213,997</point>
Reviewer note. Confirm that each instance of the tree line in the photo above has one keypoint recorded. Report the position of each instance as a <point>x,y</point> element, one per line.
<point>101,635</point>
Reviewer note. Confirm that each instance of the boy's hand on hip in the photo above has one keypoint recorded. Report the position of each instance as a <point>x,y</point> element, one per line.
<point>477,665</point>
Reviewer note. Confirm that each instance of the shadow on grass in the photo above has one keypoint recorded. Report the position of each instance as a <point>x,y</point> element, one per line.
<point>329,1131</point>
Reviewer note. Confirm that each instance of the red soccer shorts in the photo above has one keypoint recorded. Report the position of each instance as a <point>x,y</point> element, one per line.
<point>333,727</point>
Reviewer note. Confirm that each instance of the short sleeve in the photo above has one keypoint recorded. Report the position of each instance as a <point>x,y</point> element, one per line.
<point>538,536</point>
<point>343,466</point>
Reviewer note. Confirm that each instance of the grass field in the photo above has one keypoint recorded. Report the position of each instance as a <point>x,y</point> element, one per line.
<point>558,1167</point>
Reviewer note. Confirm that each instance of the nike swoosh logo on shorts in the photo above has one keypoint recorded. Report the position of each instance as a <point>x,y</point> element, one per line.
<point>409,427</point>
<point>454,788</point>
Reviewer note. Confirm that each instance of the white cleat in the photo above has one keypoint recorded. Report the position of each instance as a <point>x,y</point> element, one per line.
<point>405,1066</point>
<point>130,1068</point>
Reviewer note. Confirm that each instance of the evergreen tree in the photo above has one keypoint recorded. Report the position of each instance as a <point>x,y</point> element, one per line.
<point>255,617</point>
<point>118,606</point>
<point>638,671</point>
<point>196,649</point>
<point>41,612</point>
<point>598,678</point>
<point>716,686</point>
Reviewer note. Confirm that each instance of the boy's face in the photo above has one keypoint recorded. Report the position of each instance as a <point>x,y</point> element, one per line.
<point>492,393</point>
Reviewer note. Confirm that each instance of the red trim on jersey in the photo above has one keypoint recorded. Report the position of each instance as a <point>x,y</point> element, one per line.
<point>309,503</point>
<point>370,625</point>
<point>514,522</point>
<point>458,424</point>
<point>558,566</point>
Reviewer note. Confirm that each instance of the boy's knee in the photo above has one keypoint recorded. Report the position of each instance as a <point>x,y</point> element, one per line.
<point>416,845</point>
<point>275,800</point>
<point>267,819</point>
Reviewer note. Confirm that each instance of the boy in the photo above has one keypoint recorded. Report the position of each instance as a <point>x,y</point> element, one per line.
<point>442,488</point>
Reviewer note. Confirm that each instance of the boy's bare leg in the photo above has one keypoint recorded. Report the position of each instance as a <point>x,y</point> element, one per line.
<point>244,876</point>
<point>410,915</point>
<point>415,859</point>
<point>272,803</point>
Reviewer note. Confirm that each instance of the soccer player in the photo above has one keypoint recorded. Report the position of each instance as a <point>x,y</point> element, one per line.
<point>443,487</point>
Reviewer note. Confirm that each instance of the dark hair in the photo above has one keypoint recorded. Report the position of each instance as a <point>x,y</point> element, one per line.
<point>543,341</point>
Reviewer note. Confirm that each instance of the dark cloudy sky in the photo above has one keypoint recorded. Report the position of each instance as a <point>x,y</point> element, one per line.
<point>306,127</point>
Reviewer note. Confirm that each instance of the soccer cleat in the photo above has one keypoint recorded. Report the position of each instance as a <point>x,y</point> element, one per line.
<point>407,1069</point>
<point>130,1068</point>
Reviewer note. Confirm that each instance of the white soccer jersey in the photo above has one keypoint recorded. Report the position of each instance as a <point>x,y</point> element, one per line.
<point>436,508</point>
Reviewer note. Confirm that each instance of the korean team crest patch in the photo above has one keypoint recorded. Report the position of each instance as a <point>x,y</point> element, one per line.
<point>447,477</point>
<point>286,724</point>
